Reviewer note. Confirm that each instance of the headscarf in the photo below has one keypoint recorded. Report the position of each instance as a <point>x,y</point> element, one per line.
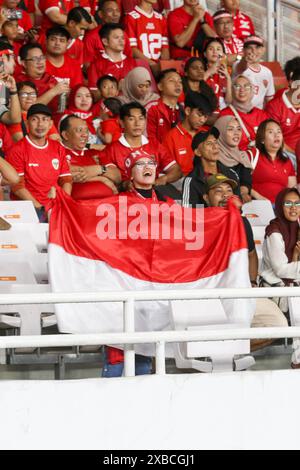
<point>230,156</point>
<point>87,116</point>
<point>136,77</point>
<point>288,230</point>
<point>243,107</point>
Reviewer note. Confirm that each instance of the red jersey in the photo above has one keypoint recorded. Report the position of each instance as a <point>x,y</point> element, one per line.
<point>103,65</point>
<point>42,84</point>
<point>160,5</point>
<point>62,6</point>
<point>178,141</point>
<point>160,119</point>
<point>75,50</point>
<point>219,85</point>
<point>242,26</point>
<point>41,167</point>
<point>178,21</point>
<point>69,71</point>
<point>148,33</point>
<point>270,177</point>
<point>251,121</point>
<point>29,5</point>
<point>6,142</point>
<point>92,45</point>
<point>85,157</point>
<point>117,153</point>
<point>111,126</point>
<point>233,46</point>
<point>282,110</point>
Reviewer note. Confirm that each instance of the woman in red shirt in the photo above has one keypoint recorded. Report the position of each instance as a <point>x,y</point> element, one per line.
<point>273,171</point>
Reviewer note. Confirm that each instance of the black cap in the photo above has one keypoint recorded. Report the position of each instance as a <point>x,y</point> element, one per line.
<point>194,99</point>
<point>202,136</point>
<point>38,108</point>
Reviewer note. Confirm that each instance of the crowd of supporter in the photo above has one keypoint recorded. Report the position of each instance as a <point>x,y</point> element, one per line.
<point>85,85</point>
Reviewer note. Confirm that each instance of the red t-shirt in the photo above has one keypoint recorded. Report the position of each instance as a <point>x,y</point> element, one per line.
<point>178,142</point>
<point>178,21</point>
<point>63,6</point>
<point>41,167</point>
<point>160,119</point>
<point>149,33</point>
<point>111,126</point>
<point>242,25</point>
<point>251,120</point>
<point>219,86</point>
<point>269,177</point>
<point>117,153</point>
<point>42,84</point>
<point>233,46</point>
<point>103,65</point>
<point>282,110</point>
<point>70,71</point>
<point>92,45</point>
<point>75,50</point>
<point>6,142</point>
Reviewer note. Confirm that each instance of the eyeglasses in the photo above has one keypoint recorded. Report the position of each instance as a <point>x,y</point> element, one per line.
<point>291,204</point>
<point>36,59</point>
<point>242,87</point>
<point>143,164</point>
<point>24,94</point>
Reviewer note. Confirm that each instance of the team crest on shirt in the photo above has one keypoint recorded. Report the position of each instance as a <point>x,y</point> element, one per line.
<point>55,163</point>
<point>150,26</point>
<point>266,83</point>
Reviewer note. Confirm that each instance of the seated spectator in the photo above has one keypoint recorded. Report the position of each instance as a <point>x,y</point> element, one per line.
<point>285,109</point>
<point>206,162</point>
<point>14,12</point>
<point>216,74</point>
<point>40,163</point>
<point>167,112</point>
<point>34,70</point>
<point>230,154</point>
<point>242,24</point>
<point>91,179</point>
<point>113,61</point>
<point>133,121</point>
<point>8,175</point>
<point>179,139</point>
<point>110,129</point>
<point>223,23</point>
<point>58,63</point>
<point>109,13</point>
<point>148,34</point>
<point>188,26</point>
<point>27,93</point>
<point>10,111</point>
<point>281,250</point>
<point>273,170</point>
<point>249,116</point>
<point>9,30</point>
<point>260,76</point>
<point>108,87</point>
<point>137,86</point>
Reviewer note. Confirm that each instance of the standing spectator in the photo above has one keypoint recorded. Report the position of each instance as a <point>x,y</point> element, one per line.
<point>249,116</point>
<point>223,23</point>
<point>188,26</point>
<point>54,12</point>
<point>40,163</point>
<point>78,22</point>
<point>273,170</point>
<point>137,86</point>
<point>113,61</point>
<point>167,112</point>
<point>260,76</point>
<point>242,24</point>
<point>179,139</point>
<point>148,33</point>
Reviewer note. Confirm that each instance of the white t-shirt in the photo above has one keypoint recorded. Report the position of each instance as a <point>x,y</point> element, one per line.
<point>262,81</point>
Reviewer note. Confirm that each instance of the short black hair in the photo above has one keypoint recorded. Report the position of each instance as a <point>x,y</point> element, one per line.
<point>196,100</point>
<point>164,73</point>
<point>78,14</point>
<point>209,41</point>
<point>291,65</point>
<point>113,105</point>
<point>126,108</point>
<point>21,85</point>
<point>295,74</point>
<point>65,122</point>
<point>191,60</point>
<point>58,31</point>
<point>108,28</point>
<point>101,3</point>
<point>5,44</point>
<point>106,77</point>
<point>23,52</point>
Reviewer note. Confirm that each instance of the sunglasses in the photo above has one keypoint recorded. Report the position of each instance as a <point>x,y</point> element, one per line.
<point>291,204</point>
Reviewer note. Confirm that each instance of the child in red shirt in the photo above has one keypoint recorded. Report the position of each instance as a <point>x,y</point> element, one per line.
<point>110,129</point>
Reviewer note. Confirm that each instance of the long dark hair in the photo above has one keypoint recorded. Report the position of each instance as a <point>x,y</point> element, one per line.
<point>260,137</point>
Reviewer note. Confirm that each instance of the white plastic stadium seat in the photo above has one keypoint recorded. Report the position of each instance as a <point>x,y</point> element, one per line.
<point>18,212</point>
<point>259,236</point>
<point>38,233</point>
<point>258,212</point>
<point>36,266</point>
<point>207,314</point>
<point>12,242</point>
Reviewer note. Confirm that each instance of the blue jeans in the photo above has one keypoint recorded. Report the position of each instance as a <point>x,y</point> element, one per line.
<point>143,366</point>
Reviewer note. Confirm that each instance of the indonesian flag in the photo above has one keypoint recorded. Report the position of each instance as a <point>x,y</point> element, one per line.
<point>126,242</point>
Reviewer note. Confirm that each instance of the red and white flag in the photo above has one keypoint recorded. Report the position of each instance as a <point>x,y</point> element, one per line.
<point>127,243</point>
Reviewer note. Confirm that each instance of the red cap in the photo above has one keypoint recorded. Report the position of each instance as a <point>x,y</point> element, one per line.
<point>135,157</point>
<point>253,40</point>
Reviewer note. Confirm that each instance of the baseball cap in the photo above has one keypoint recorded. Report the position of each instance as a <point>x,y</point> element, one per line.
<point>218,178</point>
<point>194,99</point>
<point>222,13</point>
<point>135,157</point>
<point>38,108</point>
<point>253,40</point>
<point>202,136</point>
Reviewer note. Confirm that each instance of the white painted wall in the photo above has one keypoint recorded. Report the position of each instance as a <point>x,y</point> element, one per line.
<point>197,411</point>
